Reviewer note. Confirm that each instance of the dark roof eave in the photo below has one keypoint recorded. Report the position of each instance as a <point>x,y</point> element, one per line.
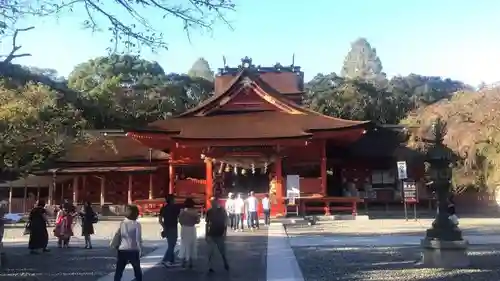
<point>307,136</point>
<point>355,126</point>
<point>154,131</point>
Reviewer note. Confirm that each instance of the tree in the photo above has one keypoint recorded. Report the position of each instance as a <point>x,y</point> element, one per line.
<point>353,99</point>
<point>35,127</point>
<point>424,90</point>
<point>201,69</point>
<point>129,23</point>
<point>122,90</point>
<point>362,62</point>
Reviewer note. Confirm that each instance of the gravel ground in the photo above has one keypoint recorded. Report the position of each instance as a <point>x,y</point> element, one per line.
<point>75,263</point>
<point>391,263</point>
<point>60,264</point>
<point>387,227</point>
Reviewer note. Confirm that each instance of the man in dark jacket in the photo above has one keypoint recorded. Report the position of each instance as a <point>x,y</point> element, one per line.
<point>169,218</point>
<point>215,232</point>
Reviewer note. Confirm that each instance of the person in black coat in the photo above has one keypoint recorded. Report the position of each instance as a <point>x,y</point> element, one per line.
<point>89,217</point>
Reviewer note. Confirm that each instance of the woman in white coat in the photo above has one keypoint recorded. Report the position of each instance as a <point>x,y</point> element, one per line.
<point>188,219</point>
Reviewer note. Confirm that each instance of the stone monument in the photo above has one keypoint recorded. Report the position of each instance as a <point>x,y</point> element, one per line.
<point>443,245</point>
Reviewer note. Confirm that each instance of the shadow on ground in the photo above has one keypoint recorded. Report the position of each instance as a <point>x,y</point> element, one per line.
<point>391,263</point>
<point>74,263</point>
<point>246,253</point>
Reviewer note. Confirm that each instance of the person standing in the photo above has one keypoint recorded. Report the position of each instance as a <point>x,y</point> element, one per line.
<point>239,210</point>
<point>129,244</point>
<point>266,208</point>
<point>188,219</point>
<point>64,229</point>
<point>230,208</point>
<point>216,230</point>
<point>88,218</point>
<point>252,206</point>
<point>169,219</point>
<point>37,228</point>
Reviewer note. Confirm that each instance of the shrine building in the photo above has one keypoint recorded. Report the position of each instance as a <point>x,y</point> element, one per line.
<point>253,134</point>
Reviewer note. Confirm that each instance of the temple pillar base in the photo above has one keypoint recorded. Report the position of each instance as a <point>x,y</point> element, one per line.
<point>444,254</point>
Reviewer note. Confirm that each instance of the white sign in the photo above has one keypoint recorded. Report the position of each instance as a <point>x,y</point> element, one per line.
<point>292,186</point>
<point>402,174</point>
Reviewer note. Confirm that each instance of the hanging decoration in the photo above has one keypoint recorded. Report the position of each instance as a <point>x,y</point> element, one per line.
<point>227,169</point>
<point>243,172</point>
<point>265,167</point>
<point>253,168</point>
<point>235,169</point>
<point>221,167</point>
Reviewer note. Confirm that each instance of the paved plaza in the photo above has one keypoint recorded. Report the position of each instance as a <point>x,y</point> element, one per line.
<point>335,250</point>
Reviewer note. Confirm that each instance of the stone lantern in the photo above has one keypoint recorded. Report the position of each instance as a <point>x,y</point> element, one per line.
<point>443,245</point>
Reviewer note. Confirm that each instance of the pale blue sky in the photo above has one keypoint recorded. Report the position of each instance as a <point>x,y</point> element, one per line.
<point>452,38</point>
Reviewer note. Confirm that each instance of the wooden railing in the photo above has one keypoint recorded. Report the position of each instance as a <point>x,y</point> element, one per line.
<point>329,205</point>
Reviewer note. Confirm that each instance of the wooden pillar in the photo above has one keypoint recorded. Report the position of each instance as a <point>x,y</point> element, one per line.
<point>52,187</point>
<point>25,195</point>
<point>209,189</point>
<point>278,168</point>
<point>171,179</point>
<point>38,193</point>
<point>84,187</point>
<point>130,186</point>
<point>323,170</point>
<point>75,189</point>
<point>151,193</point>
<point>103,190</point>
<point>10,197</point>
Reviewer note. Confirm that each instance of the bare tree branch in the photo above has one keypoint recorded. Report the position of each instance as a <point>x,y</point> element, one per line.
<point>12,55</point>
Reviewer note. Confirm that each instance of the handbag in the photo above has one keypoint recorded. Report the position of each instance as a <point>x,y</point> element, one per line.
<point>95,218</point>
<point>27,229</point>
<point>117,238</point>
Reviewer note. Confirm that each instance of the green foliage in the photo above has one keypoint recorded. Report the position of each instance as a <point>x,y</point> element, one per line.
<point>201,69</point>
<point>35,128</point>
<point>362,62</point>
<point>121,91</point>
<point>354,99</point>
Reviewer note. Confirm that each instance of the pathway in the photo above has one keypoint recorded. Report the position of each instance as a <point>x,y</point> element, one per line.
<point>247,258</point>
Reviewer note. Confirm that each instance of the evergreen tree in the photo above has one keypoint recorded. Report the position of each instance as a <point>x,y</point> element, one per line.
<point>363,63</point>
<point>201,69</point>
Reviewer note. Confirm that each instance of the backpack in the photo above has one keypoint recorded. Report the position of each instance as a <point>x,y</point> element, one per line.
<point>218,222</point>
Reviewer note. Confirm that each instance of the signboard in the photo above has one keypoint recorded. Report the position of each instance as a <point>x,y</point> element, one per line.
<point>402,173</point>
<point>410,193</point>
<point>292,187</point>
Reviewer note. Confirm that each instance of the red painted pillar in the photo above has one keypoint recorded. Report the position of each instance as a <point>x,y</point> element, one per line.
<point>280,202</point>
<point>209,191</point>
<point>323,169</point>
<point>171,178</point>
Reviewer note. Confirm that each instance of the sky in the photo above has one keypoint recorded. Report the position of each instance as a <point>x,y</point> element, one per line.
<point>458,39</point>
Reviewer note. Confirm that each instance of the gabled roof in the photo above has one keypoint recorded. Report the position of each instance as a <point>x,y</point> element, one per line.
<point>289,120</point>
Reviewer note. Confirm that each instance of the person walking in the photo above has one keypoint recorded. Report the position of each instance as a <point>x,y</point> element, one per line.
<point>169,219</point>
<point>216,230</point>
<point>252,206</point>
<point>128,242</point>
<point>37,229</point>
<point>188,219</point>
<point>266,208</point>
<point>88,218</point>
<point>230,208</point>
<point>239,210</point>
